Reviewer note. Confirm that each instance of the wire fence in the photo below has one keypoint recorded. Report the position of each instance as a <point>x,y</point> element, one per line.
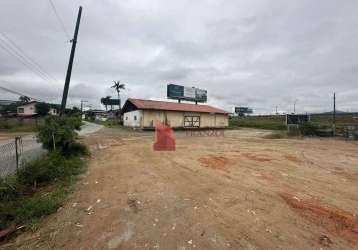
<point>15,153</point>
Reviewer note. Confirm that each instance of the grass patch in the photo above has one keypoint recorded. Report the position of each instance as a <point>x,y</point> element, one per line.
<point>278,122</point>
<point>39,188</point>
<point>260,122</point>
<point>33,208</point>
<point>109,123</point>
<point>23,128</point>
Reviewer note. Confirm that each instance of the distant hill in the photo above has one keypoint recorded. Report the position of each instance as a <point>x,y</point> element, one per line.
<point>338,112</point>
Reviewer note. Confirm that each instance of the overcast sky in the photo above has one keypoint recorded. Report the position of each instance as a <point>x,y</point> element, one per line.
<point>245,53</point>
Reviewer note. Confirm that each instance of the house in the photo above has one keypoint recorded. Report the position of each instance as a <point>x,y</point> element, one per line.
<point>144,113</point>
<point>29,109</point>
<point>96,114</point>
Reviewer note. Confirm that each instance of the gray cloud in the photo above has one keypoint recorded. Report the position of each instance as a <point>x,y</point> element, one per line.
<point>253,53</point>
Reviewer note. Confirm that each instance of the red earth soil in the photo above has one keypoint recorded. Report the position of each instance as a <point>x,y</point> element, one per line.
<point>216,162</point>
<point>334,220</point>
<point>257,157</point>
<point>292,158</point>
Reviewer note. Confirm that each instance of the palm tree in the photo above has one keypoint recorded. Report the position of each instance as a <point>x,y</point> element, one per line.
<point>118,86</point>
<point>24,99</point>
<point>105,100</point>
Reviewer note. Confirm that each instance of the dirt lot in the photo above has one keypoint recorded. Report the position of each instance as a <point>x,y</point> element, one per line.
<point>239,191</point>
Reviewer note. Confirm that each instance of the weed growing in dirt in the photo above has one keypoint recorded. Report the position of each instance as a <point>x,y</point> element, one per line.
<point>31,209</point>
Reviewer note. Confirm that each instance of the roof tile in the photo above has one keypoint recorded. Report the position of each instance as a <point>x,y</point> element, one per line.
<point>173,106</point>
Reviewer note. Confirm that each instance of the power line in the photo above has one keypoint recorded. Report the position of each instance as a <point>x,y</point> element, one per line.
<point>16,92</point>
<point>20,52</point>
<point>59,20</point>
<point>21,59</point>
<point>10,52</point>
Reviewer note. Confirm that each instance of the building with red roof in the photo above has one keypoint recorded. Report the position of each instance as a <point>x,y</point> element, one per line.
<point>143,114</point>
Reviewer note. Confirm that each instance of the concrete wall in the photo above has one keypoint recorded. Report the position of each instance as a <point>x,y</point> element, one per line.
<point>133,118</point>
<point>221,120</point>
<point>175,118</point>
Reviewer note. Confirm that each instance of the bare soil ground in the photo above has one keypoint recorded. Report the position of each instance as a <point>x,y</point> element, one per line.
<point>239,191</point>
<point>4,136</point>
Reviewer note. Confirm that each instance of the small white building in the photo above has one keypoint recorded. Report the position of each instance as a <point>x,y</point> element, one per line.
<point>29,109</point>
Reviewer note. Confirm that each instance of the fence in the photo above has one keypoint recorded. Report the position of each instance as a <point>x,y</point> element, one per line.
<point>14,153</point>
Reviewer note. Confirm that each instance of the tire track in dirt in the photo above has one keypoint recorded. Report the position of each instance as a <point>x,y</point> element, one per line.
<point>334,220</point>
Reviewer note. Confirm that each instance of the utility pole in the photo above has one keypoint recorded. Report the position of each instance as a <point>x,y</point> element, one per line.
<point>82,101</point>
<point>70,63</point>
<point>294,106</point>
<point>276,111</point>
<point>334,114</point>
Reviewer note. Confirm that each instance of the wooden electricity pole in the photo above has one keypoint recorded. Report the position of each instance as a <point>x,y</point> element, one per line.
<point>70,63</point>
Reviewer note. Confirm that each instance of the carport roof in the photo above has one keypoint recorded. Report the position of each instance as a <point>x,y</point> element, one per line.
<point>172,106</point>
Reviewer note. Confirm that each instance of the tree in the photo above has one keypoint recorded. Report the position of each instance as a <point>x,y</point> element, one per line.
<point>42,108</point>
<point>10,109</point>
<point>24,99</point>
<point>118,86</point>
<point>105,100</point>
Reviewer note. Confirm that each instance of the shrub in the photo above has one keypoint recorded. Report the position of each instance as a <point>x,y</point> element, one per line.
<point>9,188</point>
<point>42,108</point>
<point>43,169</point>
<point>309,129</point>
<point>77,149</point>
<point>49,167</point>
<point>59,132</point>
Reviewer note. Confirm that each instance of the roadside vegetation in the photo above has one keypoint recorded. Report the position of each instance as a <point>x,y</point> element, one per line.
<point>41,186</point>
<point>108,123</point>
<point>260,122</point>
<point>318,123</point>
<point>13,125</point>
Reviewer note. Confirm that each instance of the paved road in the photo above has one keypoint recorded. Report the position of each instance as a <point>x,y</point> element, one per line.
<point>89,128</point>
<point>31,149</point>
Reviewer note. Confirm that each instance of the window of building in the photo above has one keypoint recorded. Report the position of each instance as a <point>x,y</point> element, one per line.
<point>135,117</point>
<point>20,110</point>
<point>191,121</point>
<point>126,118</point>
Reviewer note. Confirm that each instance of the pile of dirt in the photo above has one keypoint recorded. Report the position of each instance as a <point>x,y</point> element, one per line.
<point>216,162</point>
<point>334,220</point>
<point>257,157</point>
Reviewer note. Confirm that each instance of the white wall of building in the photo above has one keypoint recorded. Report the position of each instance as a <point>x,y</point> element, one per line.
<point>133,118</point>
<point>28,109</point>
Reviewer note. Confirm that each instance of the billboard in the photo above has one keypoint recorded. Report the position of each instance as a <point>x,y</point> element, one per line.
<point>180,92</point>
<point>296,119</point>
<point>243,110</point>
<point>110,102</point>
